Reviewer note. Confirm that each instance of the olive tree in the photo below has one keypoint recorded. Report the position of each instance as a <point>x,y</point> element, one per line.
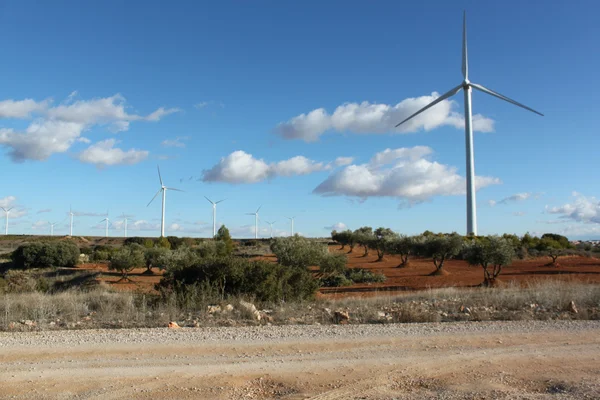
<point>126,259</point>
<point>152,257</point>
<point>404,246</point>
<point>363,237</point>
<point>382,240</point>
<point>441,248</point>
<point>297,251</point>
<point>550,247</point>
<point>492,254</point>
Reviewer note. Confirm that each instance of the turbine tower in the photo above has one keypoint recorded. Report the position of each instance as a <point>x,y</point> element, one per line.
<point>107,222</point>
<point>71,214</point>
<point>271,225</point>
<point>214,204</point>
<point>162,189</point>
<point>466,86</point>
<point>292,223</point>
<point>6,212</point>
<point>52,227</point>
<point>125,219</point>
<point>255,222</point>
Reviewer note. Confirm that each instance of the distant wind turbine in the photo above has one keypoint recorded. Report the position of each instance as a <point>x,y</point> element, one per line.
<point>466,86</point>
<point>107,220</point>
<point>71,214</point>
<point>271,225</point>
<point>6,212</point>
<point>255,221</point>
<point>52,227</point>
<point>162,189</point>
<point>292,223</point>
<point>125,223</point>
<point>214,206</point>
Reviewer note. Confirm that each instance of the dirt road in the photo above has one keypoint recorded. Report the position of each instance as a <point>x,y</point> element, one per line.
<point>532,360</point>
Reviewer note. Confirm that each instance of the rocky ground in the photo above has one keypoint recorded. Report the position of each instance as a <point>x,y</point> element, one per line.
<point>462,360</point>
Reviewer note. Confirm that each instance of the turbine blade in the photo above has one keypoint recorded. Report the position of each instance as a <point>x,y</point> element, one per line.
<point>209,200</point>
<point>258,209</point>
<point>220,201</point>
<point>154,197</point>
<point>177,190</point>
<point>502,97</point>
<point>465,62</point>
<point>446,95</point>
<point>250,213</point>
<point>159,177</point>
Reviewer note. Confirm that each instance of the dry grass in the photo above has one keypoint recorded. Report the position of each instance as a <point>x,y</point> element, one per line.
<point>100,307</point>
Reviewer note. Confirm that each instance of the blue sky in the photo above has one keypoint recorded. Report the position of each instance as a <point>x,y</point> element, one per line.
<point>291,105</point>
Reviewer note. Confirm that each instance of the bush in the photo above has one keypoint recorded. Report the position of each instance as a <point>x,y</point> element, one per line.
<point>19,282</point>
<point>336,280</point>
<point>152,257</point>
<point>126,259</point>
<point>135,239</point>
<point>224,238</point>
<point>175,242</point>
<point>361,275</point>
<point>261,280</point>
<point>298,252</point>
<point>491,254</point>
<point>163,242</point>
<point>54,254</point>
<point>178,259</point>
<point>332,264</point>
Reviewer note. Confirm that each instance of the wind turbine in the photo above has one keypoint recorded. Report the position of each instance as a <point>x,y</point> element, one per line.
<point>162,189</point>
<point>292,222</point>
<point>271,225</point>
<point>107,222</point>
<point>255,222</point>
<point>466,86</point>
<point>214,204</point>
<point>52,227</point>
<point>71,214</point>
<point>6,212</point>
<point>125,223</point>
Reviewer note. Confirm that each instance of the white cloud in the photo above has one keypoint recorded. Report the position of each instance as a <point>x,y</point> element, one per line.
<point>22,108</point>
<point>8,201</point>
<point>39,225</point>
<point>204,104</point>
<point>241,167</point>
<point>45,210</point>
<point>177,142</point>
<point>340,226</point>
<point>582,209</point>
<point>58,128</point>
<point>515,198</point>
<point>104,154</point>
<point>341,161</point>
<point>401,173</point>
<point>372,118</point>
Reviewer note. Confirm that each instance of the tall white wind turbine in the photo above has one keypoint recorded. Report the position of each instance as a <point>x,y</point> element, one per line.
<point>292,223</point>
<point>125,219</point>
<point>255,221</point>
<point>271,226</point>
<point>214,206</point>
<point>107,220</point>
<point>466,86</point>
<point>162,189</point>
<point>71,214</point>
<point>6,212</point>
<point>52,227</point>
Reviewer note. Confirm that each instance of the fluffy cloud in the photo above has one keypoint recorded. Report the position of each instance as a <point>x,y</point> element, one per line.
<point>45,210</point>
<point>177,142</point>
<point>581,209</point>
<point>515,198</point>
<point>241,167</point>
<point>59,127</point>
<point>340,226</point>
<point>341,161</point>
<point>372,118</point>
<point>7,201</point>
<point>104,154</point>
<point>403,173</point>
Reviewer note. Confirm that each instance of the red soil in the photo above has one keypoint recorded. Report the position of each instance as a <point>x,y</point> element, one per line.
<point>416,276</point>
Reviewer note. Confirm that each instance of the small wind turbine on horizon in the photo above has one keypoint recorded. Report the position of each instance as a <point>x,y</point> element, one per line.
<point>125,223</point>
<point>107,220</point>
<point>292,223</point>
<point>71,214</point>
<point>255,221</point>
<point>214,206</point>
<point>6,212</point>
<point>162,189</point>
<point>52,227</point>
<point>466,86</point>
<point>271,225</point>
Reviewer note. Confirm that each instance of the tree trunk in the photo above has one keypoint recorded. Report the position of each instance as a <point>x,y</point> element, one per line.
<point>366,251</point>
<point>351,248</point>
<point>342,248</point>
<point>380,255</point>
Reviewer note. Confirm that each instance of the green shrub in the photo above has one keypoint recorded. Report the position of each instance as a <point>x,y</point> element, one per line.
<point>361,275</point>
<point>42,254</point>
<point>136,240</point>
<point>261,280</point>
<point>175,242</point>
<point>298,252</point>
<point>152,257</point>
<point>163,242</point>
<point>126,259</point>
<point>19,282</point>
<point>333,264</point>
<point>224,239</point>
<point>178,259</point>
<point>336,280</point>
